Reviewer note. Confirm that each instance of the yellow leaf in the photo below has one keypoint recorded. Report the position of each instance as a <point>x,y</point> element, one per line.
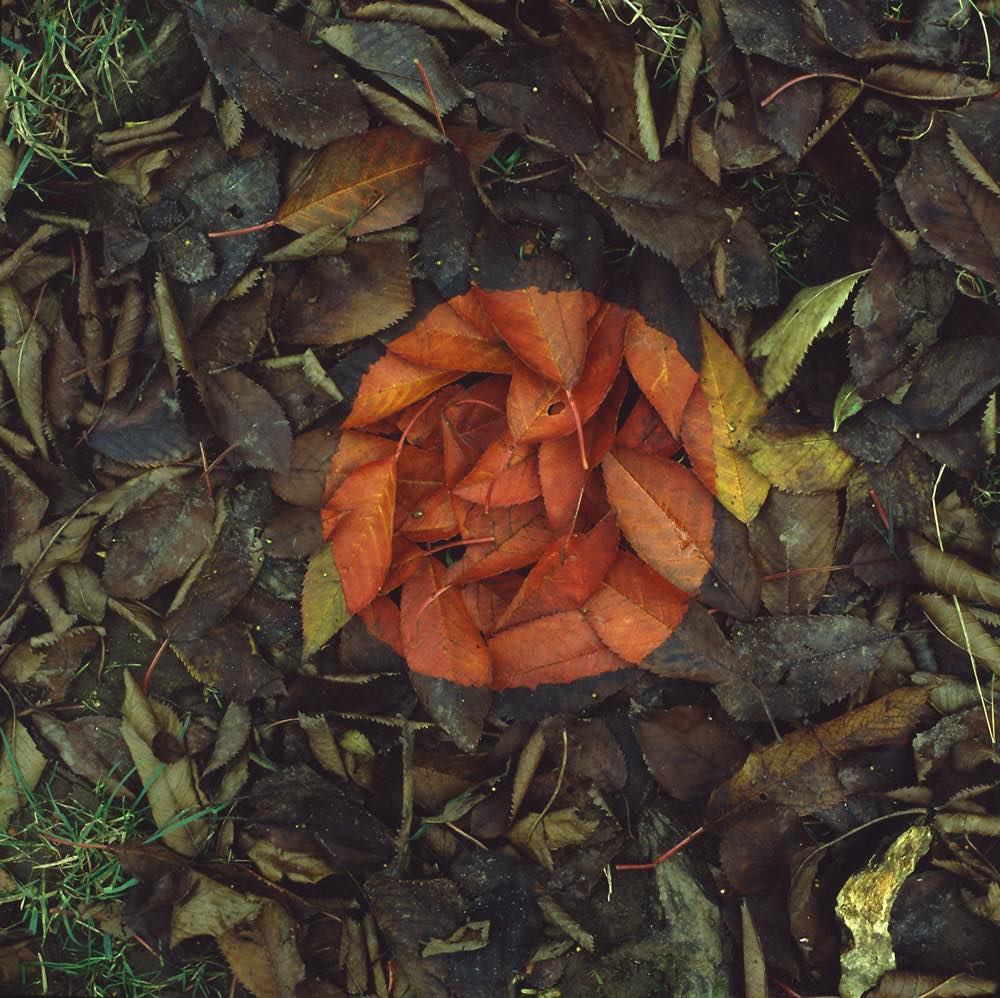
<point>717,420</point>
<point>799,460</point>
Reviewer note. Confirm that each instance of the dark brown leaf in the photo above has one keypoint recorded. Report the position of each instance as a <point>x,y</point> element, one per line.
<point>292,88</point>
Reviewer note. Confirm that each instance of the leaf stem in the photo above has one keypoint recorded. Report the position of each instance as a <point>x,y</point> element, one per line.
<point>672,851</point>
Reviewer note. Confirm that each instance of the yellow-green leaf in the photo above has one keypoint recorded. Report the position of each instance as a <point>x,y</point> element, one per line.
<point>799,460</point>
<point>324,609</point>
<point>787,341</point>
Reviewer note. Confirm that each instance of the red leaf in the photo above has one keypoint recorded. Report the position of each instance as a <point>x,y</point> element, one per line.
<point>659,369</point>
<point>361,536</point>
<point>635,609</point>
<point>391,384</point>
<point>547,330</point>
<point>643,430</point>
<point>566,575</point>
<point>520,536</point>
<point>406,558</point>
<point>439,637</point>
<point>505,474</point>
<point>675,525</point>
<point>555,649</point>
<point>456,336</point>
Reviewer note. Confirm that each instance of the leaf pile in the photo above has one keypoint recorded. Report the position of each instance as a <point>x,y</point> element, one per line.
<point>453,452</point>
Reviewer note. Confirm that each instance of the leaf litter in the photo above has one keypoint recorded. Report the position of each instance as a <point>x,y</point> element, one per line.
<point>486,452</point>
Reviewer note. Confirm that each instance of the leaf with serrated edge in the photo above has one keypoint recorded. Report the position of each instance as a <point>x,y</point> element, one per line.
<point>722,410</point>
<point>785,344</point>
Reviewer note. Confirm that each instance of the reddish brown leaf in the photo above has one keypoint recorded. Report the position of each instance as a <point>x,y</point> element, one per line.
<point>364,182</point>
<point>391,384</point>
<point>357,520</point>
<point>548,331</point>
<point>559,648</point>
<point>564,479</point>
<point>675,524</point>
<point>566,575</point>
<point>635,609</point>
<point>486,601</point>
<point>538,409</point>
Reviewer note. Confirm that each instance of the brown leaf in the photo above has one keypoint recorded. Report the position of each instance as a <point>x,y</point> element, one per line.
<point>954,212</point>
<point>304,482</point>
<point>669,207</point>
<point>794,537</point>
<point>342,298</point>
<point>952,574</point>
<point>390,51</point>
<point>363,183</point>
<point>159,540</point>
<point>961,628</point>
<point>291,87</point>
<point>247,417</point>
<point>264,955</point>
<point>687,752</point>
<point>793,666</point>
<point>800,772</point>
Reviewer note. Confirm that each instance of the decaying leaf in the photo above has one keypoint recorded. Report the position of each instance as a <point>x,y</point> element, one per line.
<point>169,785</point>
<point>21,768</point>
<point>292,88</point>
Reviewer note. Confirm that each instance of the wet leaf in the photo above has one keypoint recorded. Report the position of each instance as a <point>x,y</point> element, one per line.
<point>292,88</point>
<point>159,540</point>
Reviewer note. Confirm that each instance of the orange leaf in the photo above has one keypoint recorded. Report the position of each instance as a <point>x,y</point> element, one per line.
<point>721,412</point>
<point>659,369</point>
<point>643,430</point>
<point>487,600</point>
<point>391,384</point>
<point>361,537</point>
<point>439,637</point>
<point>537,409</point>
<point>520,535</point>
<point>635,609</point>
<point>547,330</point>
<point>555,649</point>
<point>381,617</point>
<point>406,558</point>
<point>563,477</point>
<point>455,336</point>
<point>354,449</point>
<point>675,525</point>
<point>506,473</point>
<point>566,575</point>
<point>367,182</point>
